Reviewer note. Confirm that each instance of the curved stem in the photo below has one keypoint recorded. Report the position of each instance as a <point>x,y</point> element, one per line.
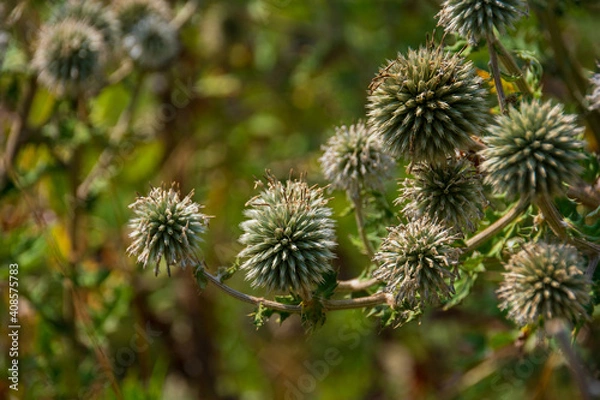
<point>558,225</point>
<point>360,224</point>
<point>585,194</point>
<point>330,305</point>
<point>355,285</point>
<point>497,226</point>
<point>496,73</point>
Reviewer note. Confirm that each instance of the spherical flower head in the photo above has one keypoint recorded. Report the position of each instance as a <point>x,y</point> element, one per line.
<point>130,12</point>
<point>166,226</point>
<point>289,237</point>
<point>152,43</point>
<point>70,57</point>
<point>545,281</point>
<point>594,98</point>
<point>451,194</point>
<point>416,262</point>
<point>427,104</point>
<point>532,151</point>
<point>475,19</point>
<point>94,14</point>
<point>355,159</point>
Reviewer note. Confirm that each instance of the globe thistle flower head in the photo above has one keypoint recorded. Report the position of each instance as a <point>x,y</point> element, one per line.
<point>131,12</point>
<point>532,151</point>
<point>451,194</point>
<point>427,104</point>
<point>594,97</point>
<point>545,281</point>
<point>475,19</point>
<point>70,57</point>
<point>355,159</point>
<point>92,13</point>
<point>166,226</point>
<point>152,43</point>
<point>289,237</point>
<point>416,261</point>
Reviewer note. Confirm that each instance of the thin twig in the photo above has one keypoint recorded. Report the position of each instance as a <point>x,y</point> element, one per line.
<point>18,132</point>
<point>497,226</point>
<point>496,73</point>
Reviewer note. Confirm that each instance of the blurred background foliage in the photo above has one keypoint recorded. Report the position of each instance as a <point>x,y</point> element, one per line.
<point>258,84</point>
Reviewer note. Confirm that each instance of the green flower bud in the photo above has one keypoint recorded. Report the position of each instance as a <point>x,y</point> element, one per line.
<point>451,194</point>
<point>355,159</point>
<point>416,262</point>
<point>545,281</point>
<point>166,226</point>
<point>70,57</point>
<point>427,104</point>
<point>532,151</point>
<point>475,19</point>
<point>289,237</point>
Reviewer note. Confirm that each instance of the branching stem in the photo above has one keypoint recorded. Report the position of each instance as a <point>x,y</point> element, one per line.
<point>496,73</point>
<point>329,305</point>
<point>558,225</point>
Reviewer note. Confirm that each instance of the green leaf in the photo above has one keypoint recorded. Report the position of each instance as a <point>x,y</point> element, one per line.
<point>462,288</point>
<point>201,279</point>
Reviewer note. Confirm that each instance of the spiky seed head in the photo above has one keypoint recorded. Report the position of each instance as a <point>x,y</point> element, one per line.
<point>416,262</point>
<point>427,104</point>
<point>94,14</point>
<point>355,159</point>
<point>289,237</point>
<point>475,19</point>
<point>130,12</point>
<point>451,194</point>
<point>547,281</point>
<point>152,43</point>
<point>70,57</point>
<point>594,97</point>
<point>166,226</point>
<point>532,151</point>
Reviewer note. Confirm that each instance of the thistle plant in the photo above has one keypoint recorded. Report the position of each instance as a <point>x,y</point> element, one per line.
<point>70,57</point>
<point>94,14</point>
<point>545,281</point>
<point>165,226</point>
<point>533,151</point>
<point>131,12</point>
<point>416,262</point>
<point>594,97</point>
<point>426,104</point>
<point>356,160</point>
<point>476,19</point>
<point>450,193</point>
<point>152,43</point>
<point>289,237</point>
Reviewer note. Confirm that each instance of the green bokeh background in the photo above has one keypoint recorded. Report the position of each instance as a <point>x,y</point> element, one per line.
<point>259,85</point>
